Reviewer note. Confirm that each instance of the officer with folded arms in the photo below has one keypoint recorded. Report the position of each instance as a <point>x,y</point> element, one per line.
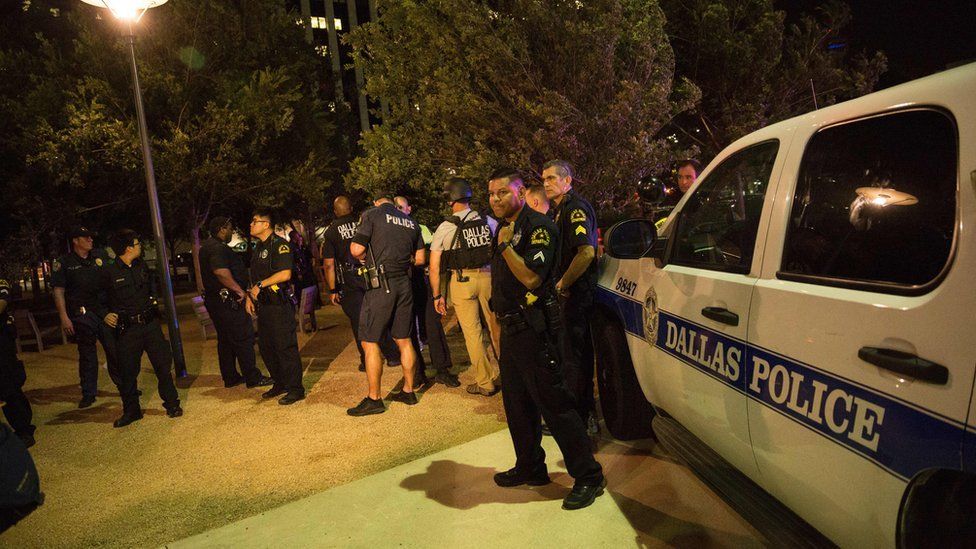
<point>223,277</point>
<point>388,243</point>
<point>134,315</point>
<point>76,277</point>
<point>271,300</point>
<point>346,287</point>
<point>523,298</point>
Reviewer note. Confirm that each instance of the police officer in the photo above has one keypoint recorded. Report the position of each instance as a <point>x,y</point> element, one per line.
<point>523,298</point>
<point>133,313</point>
<point>346,287</point>
<point>271,300</point>
<point>575,277</point>
<point>16,407</point>
<point>389,243</point>
<point>461,251</point>
<point>76,279</point>
<point>223,277</point>
<point>427,323</point>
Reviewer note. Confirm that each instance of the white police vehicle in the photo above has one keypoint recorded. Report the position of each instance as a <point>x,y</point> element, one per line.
<point>807,317</point>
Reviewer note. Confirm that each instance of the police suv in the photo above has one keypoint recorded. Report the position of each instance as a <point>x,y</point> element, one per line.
<point>803,326</point>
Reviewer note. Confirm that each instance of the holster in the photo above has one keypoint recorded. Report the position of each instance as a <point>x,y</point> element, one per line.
<point>228,299</point>
<point>536,319</point>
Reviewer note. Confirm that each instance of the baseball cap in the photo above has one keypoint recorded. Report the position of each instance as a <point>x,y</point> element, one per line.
<point>78,231</point>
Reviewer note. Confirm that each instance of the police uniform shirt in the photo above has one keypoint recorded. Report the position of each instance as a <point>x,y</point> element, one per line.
<point>392,236</point>
<point>81,278</point>
<point>535,239</point>
<point>443,239</point>
<point>270,257</point>
<point>337,239</point>
<point>128,288</point>
<point>215,254</point>
<point>576,222</point>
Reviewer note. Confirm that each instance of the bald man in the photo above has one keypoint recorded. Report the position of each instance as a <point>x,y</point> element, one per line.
<point>346,288</point>
<point>535,198</point>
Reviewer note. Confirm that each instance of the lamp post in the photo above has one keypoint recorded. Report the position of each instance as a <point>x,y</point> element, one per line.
<point>130,12</point>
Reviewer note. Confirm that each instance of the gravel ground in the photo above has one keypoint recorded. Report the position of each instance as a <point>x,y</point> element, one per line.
<point>231,455</point>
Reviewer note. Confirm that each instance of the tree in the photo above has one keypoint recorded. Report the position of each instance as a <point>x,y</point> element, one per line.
<point>234,121</point>
<point>476,84</point>
<point>754,70</point>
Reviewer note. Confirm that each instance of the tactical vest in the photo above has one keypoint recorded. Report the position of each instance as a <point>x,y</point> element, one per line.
<point>471,246</point>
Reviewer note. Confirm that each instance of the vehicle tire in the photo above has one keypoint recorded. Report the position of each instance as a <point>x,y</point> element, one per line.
<point>626,411</point>
<point>938,510</point>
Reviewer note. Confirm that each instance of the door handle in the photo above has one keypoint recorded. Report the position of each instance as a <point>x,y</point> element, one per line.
<point>905,363</point>
<point>721,314</point>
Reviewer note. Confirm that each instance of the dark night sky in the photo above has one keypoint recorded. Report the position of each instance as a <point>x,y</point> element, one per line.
<point>920,37</point>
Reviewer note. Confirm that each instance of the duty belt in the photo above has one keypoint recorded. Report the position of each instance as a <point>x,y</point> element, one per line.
<point>144,317</point>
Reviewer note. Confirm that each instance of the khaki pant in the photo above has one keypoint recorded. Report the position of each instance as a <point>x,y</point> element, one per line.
<point>468,299</point>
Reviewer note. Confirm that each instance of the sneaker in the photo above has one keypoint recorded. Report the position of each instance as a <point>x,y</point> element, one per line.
<point>273,392</point>
<point>86,402</point>
<point>175,411</point>
<point>367,407</point>
<point>513,477</point>
<point>362,367</point>
<point>406,398</point>
<point>126,419</point>
<point>474,389</point>
<point>447,379</point>
<point>291,398</point>
<point>263,381</point>
<point>583,495</point>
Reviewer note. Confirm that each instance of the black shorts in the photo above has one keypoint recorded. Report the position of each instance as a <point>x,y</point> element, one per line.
<point>382,309</point>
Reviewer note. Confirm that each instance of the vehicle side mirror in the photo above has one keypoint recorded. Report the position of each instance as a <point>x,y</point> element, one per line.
<point>631,239</point>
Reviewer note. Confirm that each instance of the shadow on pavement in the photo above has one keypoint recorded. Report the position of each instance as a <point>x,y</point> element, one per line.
<point>105,413</point>
<point>62,393</point>
<point>463,486</point>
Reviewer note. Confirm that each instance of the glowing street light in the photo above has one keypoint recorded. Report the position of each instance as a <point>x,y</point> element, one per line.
<point>130,12</point>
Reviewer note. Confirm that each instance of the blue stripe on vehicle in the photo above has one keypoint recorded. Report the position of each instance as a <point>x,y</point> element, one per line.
<point>895,435</point>
<point>630,312</point>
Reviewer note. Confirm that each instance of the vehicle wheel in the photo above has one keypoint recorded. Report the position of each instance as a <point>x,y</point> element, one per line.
<point>626,411</point>
<point>939,510</point>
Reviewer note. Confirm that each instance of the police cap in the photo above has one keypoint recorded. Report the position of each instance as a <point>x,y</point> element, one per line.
<point>79,231</point>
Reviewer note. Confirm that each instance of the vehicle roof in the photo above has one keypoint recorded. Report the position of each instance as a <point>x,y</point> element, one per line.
<point>940,89</point>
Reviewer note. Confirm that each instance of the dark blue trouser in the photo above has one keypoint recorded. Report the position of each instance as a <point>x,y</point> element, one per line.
<point>235,342</point>
<point>278,342</point>
<point>17,409</point>
<point>90,330</point>
<point>148,338</point>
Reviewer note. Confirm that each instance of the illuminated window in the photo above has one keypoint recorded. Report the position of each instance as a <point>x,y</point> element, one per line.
<point>321,23</point>
<point>322,50</point>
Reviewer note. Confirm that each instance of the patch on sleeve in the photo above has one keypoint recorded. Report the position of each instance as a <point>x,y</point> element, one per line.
<point>283,249</point>
<point>540,237</point>
<point>56,266</point>
<point>580,230</point>
<point>98,262</point>
<point>577,216</point>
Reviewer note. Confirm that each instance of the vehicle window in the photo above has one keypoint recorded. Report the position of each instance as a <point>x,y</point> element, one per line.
<point>717,225</point>
<point>631,239</point>
<point>875,202</point>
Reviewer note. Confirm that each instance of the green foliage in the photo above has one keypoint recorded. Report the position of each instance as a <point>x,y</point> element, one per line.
<point>475,84</point>
<point>754,70</point>
<point>234,106</point>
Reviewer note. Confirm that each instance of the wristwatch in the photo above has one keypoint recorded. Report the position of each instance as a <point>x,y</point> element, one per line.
<point>259,284</point>
<point>502,246</point>
<point>333,291</point>
<point>436,297</point>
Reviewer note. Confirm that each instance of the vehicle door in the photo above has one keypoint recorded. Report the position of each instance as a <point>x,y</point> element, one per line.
<point>861,342</point>
<point>702,299</point>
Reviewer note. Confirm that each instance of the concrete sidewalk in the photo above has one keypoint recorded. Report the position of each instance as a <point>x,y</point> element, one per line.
<point>448,499</point>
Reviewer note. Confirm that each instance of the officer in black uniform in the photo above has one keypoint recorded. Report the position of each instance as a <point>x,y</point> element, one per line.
<point>523,298</point>
<point>223,278</point>
<point>389,243</point>
<point>271,299</point>
<point>575,277</point>
<point>346,287</point>
<point>133,313</point>
<point>76,277</point>
<point>16,407</point>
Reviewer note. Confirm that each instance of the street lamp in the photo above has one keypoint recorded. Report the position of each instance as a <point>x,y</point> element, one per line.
<point>130,12</point>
